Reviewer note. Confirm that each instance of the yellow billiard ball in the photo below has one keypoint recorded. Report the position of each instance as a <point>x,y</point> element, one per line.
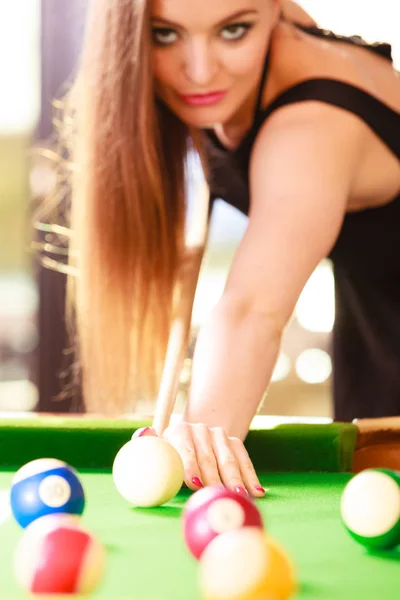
<point>246,564</point>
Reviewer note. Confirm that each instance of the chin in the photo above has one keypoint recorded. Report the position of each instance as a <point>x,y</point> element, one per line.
<point>202,118</point>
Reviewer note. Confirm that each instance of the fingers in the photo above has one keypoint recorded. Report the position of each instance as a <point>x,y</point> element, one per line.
<point>228,465</point>
<point>212,458</point>
<point>249,475</point>
<point>180,436</point>
<point>206,458</point>
<point>144,431</point>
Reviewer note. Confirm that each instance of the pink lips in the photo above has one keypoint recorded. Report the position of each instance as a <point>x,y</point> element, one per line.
<point>204,99</point>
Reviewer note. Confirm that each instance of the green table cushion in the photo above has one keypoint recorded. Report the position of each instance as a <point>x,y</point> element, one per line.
<point>93,443</point>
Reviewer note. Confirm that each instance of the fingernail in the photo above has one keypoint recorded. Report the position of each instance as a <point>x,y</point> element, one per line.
<point>241,490</point>
<point>259,489</point>
<point>143,431</point>
<point>196,481</point>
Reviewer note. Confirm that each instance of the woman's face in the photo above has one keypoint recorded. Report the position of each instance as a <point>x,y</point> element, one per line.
<point>208,55</point>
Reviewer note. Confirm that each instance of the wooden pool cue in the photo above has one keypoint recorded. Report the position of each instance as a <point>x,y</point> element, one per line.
<point>180,330</point>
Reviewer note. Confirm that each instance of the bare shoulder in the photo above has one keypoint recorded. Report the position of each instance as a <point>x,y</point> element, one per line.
<point>308,125</point>
<point>320,58</point>
<point>295,139</point>
<point>315,57</point>
<point>294,12</point>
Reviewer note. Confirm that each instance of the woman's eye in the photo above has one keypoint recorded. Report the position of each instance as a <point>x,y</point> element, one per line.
<point>163,36</point>
<point>236,32</point>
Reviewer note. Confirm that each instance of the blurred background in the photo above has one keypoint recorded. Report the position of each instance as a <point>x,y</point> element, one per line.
<point>40,42</point>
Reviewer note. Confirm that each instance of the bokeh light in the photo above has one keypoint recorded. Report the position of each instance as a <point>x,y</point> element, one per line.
<point>314,366</point>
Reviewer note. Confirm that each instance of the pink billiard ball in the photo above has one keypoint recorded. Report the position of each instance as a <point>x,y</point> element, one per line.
<point>215,510</point>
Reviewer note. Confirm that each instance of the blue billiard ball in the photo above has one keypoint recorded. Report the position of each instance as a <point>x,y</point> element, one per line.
<point>43,487</point>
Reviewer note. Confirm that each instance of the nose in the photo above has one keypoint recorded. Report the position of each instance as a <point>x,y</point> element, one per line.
<point>200,63</point>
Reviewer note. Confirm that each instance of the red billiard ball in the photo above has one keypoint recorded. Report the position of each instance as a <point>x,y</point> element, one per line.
<point>57,556</point>
<point>215,510</point>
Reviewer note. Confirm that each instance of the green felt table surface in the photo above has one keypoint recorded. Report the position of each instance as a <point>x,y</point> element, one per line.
<point>304,466</point>
<point>147,560</point>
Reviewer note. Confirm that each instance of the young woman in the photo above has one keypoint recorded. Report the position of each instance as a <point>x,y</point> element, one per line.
<point>296,127</point>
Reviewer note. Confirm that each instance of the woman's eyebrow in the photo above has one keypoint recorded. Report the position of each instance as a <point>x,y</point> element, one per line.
<point>236,15</point>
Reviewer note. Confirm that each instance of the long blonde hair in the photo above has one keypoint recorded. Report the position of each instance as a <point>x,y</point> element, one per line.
<point>127,154</point>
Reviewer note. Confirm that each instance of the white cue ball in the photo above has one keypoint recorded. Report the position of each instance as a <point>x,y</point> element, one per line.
<point>148,471</point>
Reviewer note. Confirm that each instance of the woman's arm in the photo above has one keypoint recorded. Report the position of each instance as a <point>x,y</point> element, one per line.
<point>235,355</point>
<point>302,170</point>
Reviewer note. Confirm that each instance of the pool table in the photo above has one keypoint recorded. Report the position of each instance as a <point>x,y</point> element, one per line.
<point>303,465</point>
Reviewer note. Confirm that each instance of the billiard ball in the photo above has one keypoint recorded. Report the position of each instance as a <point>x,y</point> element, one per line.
<point>214,510</point>
<point>370,508</point>
<point>246,564</point>
<point>148,471</point>
<point>56,556</point>
<point>45,486</point>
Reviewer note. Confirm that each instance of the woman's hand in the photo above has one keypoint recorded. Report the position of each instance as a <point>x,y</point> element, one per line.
<point>210,457</point>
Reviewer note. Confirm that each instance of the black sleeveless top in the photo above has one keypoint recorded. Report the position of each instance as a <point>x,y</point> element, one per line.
<point>365,257</point>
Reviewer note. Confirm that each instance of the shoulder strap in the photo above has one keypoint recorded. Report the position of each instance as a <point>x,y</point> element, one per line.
<point>262,85</point>
<point>383,120</point>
